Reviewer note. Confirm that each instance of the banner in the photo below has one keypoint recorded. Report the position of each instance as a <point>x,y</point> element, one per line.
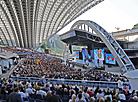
<point>110,59</point>
<point>77,55</point>
<point>100,54</point>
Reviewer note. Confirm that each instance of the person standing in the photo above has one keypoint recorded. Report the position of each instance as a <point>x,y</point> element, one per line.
<point>120,84</point>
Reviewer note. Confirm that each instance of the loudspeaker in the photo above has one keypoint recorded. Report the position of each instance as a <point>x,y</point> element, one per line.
<point>89,49</point>
<point>70,48</point>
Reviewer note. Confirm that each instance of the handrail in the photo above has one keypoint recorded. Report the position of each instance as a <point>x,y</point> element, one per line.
<point>69,80</point>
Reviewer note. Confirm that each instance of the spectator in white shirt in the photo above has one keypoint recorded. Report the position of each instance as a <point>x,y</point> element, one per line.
<point>122,96</point>
<point>29,89</point>
<point>41,92</point>
<point>120,84</point>
<point>99,94</point>
<point>22,94</point>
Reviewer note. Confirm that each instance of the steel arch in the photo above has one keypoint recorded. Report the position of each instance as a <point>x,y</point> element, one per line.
<point>119,54</point>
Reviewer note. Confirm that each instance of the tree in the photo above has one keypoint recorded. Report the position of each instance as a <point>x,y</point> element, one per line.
<point>59,43</point>
<point>44,46</point>
<point>135,26</point>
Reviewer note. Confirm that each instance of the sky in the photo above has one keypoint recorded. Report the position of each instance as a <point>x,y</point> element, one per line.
<point>111,14</point>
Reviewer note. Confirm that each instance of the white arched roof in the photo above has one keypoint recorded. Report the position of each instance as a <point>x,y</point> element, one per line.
<point>27,23</point>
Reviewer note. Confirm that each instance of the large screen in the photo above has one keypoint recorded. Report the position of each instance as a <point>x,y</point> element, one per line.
<point>99,54</point>
<point>77,55</point>
<point>83,54</point>
<point>95,54</point>
<point>110,59</point>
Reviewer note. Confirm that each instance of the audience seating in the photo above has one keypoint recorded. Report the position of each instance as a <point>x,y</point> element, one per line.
<point>31,100</point>
<point>38,100</point>
<point>25,99</point>
<point>65,100</point>
<point>65,80</point>
<point>33,96</point>
<point>66,96</point>
<point>38,96</point>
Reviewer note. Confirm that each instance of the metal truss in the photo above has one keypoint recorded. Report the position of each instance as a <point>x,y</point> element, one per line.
<point>122,59</point>
<point>89,35</point>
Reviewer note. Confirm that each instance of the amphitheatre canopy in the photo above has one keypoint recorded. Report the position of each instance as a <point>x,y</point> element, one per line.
<point>28,23</point>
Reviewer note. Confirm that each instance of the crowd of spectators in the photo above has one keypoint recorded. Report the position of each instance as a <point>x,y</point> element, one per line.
<point>53,92</point>
<point>45,66</point>
<point>41,65</point>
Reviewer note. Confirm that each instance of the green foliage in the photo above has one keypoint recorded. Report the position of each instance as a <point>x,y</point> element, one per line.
<point>59,46</point>
<point>135,26</point>
<point>59,43</point>
<point>44,46</point>
<point>42,49</point>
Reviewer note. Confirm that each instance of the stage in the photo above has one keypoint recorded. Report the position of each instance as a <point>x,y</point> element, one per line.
<point>83,66</point>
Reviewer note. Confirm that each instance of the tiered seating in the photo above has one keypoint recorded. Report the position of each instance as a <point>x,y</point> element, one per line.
<point>43,68</point>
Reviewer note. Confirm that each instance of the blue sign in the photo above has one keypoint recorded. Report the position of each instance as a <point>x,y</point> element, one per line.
<point>110,59</point>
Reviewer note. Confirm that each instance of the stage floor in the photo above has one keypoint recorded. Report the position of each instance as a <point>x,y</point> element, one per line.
<point>91,64</point>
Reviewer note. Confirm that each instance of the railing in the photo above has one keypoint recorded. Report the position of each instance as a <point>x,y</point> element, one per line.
<point>88,83</point>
